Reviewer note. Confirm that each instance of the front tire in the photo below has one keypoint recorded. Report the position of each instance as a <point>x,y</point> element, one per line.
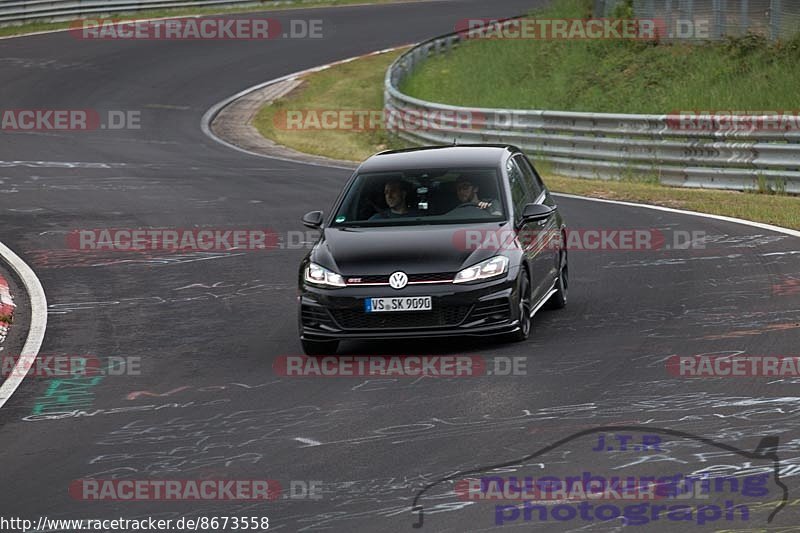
<point>315,348</point>
<point>524,310</point>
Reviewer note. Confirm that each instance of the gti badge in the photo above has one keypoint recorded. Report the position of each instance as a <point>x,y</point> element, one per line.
<point>398,280</point>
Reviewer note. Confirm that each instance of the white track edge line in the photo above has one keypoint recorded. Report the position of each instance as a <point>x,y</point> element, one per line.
<point>36,332</point>
<point>761,225</point>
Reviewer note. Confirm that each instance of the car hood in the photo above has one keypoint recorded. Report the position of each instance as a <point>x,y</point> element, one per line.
<point>412,249</point>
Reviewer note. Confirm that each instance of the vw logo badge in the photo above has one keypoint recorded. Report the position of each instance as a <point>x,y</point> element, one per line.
<point>398,280</point>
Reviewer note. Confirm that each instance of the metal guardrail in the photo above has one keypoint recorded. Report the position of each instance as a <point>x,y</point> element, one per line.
<point>55,10</point>
<point>602,145</point>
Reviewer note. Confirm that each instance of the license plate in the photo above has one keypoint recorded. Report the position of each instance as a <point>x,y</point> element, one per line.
<point>405,303</point>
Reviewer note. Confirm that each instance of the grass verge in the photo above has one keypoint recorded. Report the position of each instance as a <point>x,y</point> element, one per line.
<point>352,86</point>
<point>779,210</point>
<point>35,27</point>
<point>615,76</point>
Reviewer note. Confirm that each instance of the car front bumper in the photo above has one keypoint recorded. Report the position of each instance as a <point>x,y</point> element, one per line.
<point>458,310</point>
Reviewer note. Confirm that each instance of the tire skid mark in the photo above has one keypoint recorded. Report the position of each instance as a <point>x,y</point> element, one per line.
<point>201,292</point>
<point>62,258</point>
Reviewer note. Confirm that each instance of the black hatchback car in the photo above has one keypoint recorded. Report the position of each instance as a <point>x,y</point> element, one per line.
<point>433,242</point>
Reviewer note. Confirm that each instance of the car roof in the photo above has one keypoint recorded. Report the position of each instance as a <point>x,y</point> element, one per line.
<point>465,156</point>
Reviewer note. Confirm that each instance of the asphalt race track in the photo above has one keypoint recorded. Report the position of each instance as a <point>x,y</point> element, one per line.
<point>207,327</point>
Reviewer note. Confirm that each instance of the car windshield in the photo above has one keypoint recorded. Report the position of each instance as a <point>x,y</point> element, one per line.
<point>428,196</point>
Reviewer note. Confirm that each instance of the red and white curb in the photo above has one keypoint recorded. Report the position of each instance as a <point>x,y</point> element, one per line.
<point>38,325</point>
<point>6,308</point>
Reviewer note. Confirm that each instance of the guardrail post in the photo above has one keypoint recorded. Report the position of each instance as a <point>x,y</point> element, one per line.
<point>775,9</point>
<point>599,9</point>
<point>716,7</point>
<point>669,19</point>
<point>686,18</point>
<point>744,17</point>
<point>649,8</point>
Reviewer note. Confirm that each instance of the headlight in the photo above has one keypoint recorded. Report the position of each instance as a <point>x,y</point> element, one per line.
<point>318,275</point>
<point>496,266</point>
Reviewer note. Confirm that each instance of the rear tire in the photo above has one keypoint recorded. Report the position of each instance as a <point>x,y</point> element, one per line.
<point>315,348</point>
<point>524,307</point>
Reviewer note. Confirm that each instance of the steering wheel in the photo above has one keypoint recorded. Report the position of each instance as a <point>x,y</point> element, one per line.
<point>471,205</point>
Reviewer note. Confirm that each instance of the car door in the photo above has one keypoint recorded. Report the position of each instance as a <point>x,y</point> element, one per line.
<point>549,231</point>
<point>527,232</point>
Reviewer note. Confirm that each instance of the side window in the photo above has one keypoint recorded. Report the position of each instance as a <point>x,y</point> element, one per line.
<point>519,194</point>
<point>532,180</point>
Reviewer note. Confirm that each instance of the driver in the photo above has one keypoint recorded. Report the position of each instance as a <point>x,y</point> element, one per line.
<point>395,193</point>
<point>467,192</point>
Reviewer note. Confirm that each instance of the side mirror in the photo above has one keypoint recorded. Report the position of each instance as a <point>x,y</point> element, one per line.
<point>537,212</point>
<point>313,219</point>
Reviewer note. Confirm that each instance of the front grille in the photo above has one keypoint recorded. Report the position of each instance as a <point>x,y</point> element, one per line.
<point>497,310</point>
<point>438,317</point>
<point>438,276</point>
<point>313,316</point>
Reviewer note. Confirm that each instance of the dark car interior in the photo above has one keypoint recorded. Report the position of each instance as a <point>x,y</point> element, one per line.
<point>428,193</point>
